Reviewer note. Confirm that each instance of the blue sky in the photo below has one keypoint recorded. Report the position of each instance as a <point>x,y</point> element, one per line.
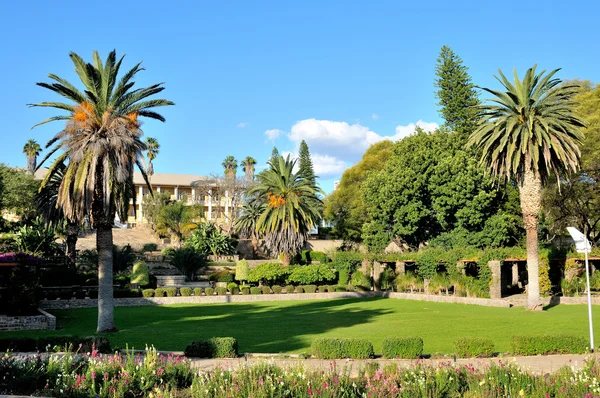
<point>247,75</point>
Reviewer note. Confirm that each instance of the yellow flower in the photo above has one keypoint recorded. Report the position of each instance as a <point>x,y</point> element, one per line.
<point>522,393</point>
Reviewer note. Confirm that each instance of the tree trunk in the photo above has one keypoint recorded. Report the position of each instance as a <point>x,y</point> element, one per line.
<point>286,259</point>
<point>254,247</point>
<point>530,194</point>
<point>72,234</point>
<point>106,303</point>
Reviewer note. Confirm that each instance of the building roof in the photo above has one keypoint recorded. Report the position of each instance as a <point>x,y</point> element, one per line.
<point>164,179</point>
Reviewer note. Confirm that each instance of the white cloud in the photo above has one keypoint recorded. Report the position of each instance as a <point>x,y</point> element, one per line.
<point>241,125</point>
<point>273,134</point>
<point>405,131</point>
<point>374,116</point>
<point>327,166</point>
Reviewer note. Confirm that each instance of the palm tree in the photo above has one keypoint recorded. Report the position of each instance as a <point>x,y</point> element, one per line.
<point>288,215</point>
<point>176,218</point>
<point>528,133</point>
<point>246,224</point>
<point>152,147</point>
<point>31,150</point>
<point>248,165</point>
<point>230,165</point>
<point>101,140</point>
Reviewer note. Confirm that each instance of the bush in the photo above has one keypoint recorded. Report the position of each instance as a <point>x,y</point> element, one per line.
<point>140,274</point>
<point>546,344</point>
<point>187,261</point>
<point>160,292</point>
<point>185,291</point>
<point>310,274</point>
<point>277,289</point>
<point>360,281</point>
<point>232,285</point>
<point>123,258</point>
<point>299,289</point>
<point>56,343</point>
<point>221,276</point>
<point>235,291</point>
<point>197,291</point>
<point>267,273</point>
<point>242,270</point>
<point>126,293</point>
<point>266,290</point>
<point>168,251</point>
<point>403,347</point>
<point>305,257</point>
<point>342,348</point>
<point>216,347</point>
<point>343,277</point>
<point>474,347</point>
<point>209,291</point>
<point>221,291</point>
<point>310,289</point>
<point>331,288</point>
<point>289,289</point>
<point>245,290</point>
<point>149,247</point>
<point>255,290</point>
<point>171,291</point>
<point>148,293</point>
<point>320,257</point>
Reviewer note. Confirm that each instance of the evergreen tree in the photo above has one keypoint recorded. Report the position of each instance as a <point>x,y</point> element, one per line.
<point>457,95</point>
<point>306,169</point>
<point>275,154</point>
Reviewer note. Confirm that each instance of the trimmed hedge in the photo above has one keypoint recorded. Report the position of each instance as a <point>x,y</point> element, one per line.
<point>185,291</point>
<point>245,291</point>
<point>474,347</point>
<point>216,347</point>
<point>209,291</point>
<point>160,292</point>
<point>277,289</point>
<point>310,288</point>
<point>198,291</point>
<point>231,286</point>
<point>148,293</point>
<point>341,288</point>
<point>289,289</point>
<point>221,291</point>
<point>548,344</point>
<point>299,289</point>
<point>255,290</point>
<point>56,343</point>
<point>266,290</point>
<point>403,347</point>
<point>171,291</point>
<point>342,348</point>
<point>235,291</point>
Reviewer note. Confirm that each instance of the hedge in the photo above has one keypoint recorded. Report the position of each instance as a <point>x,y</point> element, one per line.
<point>209,291</point>
<point>289,289</point>
<point>56,343</point>
<point>198,291</point>
<point>277,289</point>
<point>255,290</point>
<point>171,291</point>
<point>216,347</point>
<point>403,347</point>
<point>331,348</point>
<point>474,347</point>
<point>148,293</point>
<point>548,344</point>
<point>185,291</point>
<point>160,292</point>
<point>221,291</point>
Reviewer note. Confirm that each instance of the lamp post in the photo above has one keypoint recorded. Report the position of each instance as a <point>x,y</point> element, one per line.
<point>582,245</point>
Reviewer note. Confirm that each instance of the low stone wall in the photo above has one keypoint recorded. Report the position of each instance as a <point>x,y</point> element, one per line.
<point>43,321</point>
<point>448,299</point>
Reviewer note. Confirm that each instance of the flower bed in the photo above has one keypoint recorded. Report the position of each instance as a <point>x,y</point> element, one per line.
<point>152,374</point>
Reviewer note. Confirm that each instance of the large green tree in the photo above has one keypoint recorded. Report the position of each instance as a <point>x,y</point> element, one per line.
<point>456,93</point>
<point>102,142</point>
<point>247,222</point>
<point>152,148</point>
<point>530,132</point>
<point>345,206</point>
<point>290,209</point>
<point>230,165</point>
<point>31,150</point>
<point>305,164</point>
<point>177,219</point>
<point>17,191</point>
<point>248,164</point>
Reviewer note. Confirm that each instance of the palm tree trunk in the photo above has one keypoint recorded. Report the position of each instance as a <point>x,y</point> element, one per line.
<point>254,246</point>
<point>286,259</point>
<point>106,303</point>
<point>530,194</point>
<point>72,234</point>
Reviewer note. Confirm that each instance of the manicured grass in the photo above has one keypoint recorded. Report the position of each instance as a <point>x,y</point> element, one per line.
<point>290,326</point>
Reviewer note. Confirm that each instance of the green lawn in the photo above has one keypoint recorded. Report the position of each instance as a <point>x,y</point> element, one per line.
<point>290,326</point>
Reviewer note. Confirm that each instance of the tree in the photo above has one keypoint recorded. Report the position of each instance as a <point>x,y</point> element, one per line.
<point>529,132</point>
<point>457,95</point>
<point>288,216</point>
<point>17,191</point>
<point>248,165</point>
<point>153,204</point>
<point>230,165</point>
<point>305,164</point>
<point>152,148</point>
<point>346,206</point>
<point>31,150</point>
<point>275,153</point>
<point>102,142</point>
<point>176,218</point>
<point>246,224</point>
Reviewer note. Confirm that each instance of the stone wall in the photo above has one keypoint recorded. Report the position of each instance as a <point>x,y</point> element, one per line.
<point>43,321</point>
<point>448,299</point>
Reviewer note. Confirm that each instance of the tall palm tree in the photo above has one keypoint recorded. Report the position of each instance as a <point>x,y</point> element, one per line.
<point>101,140</point>
<point>230,165</point>
<point>528,133</point>
<point>152,147</point>
<point>176,218</point>
<point>246,224</point>
<point>288,215</point>
<point>248,165</point>
<point>31,150</point>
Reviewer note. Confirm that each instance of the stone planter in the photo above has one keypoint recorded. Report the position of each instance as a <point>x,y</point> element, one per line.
<point>42,321</point>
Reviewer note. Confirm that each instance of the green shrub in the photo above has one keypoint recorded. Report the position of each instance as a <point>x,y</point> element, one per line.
<point>221,276</point>
<point>548,344</point>
<point>360,281</point>
<point>148,293</point>
<point>187,261</point>
<point>403,347</point>
<point>242,270</point>
<point>235,291</point>
<point>277,289</point>
<point>331,348</point>
<point>56,343</point>
<point>474,347</point>
<point>343,277</point>
<point>267,273</point>
<point>197,291</point>
<point>171,291</point>
<point>331,288</point>
<point>149,247</point>
<point>310,274</point>
<point>185,291</point>
<point>341,288</point>
<point>305,257</point>
<point>320,257</point>
<point>310,289</point>
<point>232,285</point>
<point>160,292</point>
<point>216,347</point>
<point>221,291</point>
<point>255,290</point>
<point>289,289</point>
<point>299,289</point>
<point>140,274</point>
<point>266,290</point>
<point>245,290</point>
<point>209,291</point>
<point>126,293</point>
<point>168,251</point>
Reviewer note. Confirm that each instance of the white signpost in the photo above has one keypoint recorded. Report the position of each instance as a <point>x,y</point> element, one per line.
<point>582,245</point>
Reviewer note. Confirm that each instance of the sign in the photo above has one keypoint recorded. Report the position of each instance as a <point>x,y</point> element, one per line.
<point>582,245</point>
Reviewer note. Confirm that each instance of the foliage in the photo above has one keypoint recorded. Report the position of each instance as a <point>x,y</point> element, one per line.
<point>209,291</point>
<point>331,348</point>
<point>17,191</point>
<point>309,288</point>
<point>176,218</point>
<point>255,290</point>
<point>221,276</point>
<point>289,289</point>
<point>148,293</point>
<point>123,258</point>
<point>299,289</point>
<point>187,261</point>
<point>548,345</point>
<point>198,291</point>
<point>152,148</point>
<point>245,290</point>
<point>232,285</point>
<point>217,347</point>
<point>266,290</point>
<point>360,281</point>
<point>277,289</point>
<point>56,343</point>
<point>402,347</point>
<point>153,205</point>
<point>140,274</point>
<point>230,165</point>
<point>160,292</point>
<point>209,238</point>
<point>221,291</point>
<point>242,271</point>
<point>474,347</point>
<point>248,166</point>
<point>38,239</point>
<point>308,274</point>
<point>267,273</point>
<point>149,247</point>
<point>171,291</point>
